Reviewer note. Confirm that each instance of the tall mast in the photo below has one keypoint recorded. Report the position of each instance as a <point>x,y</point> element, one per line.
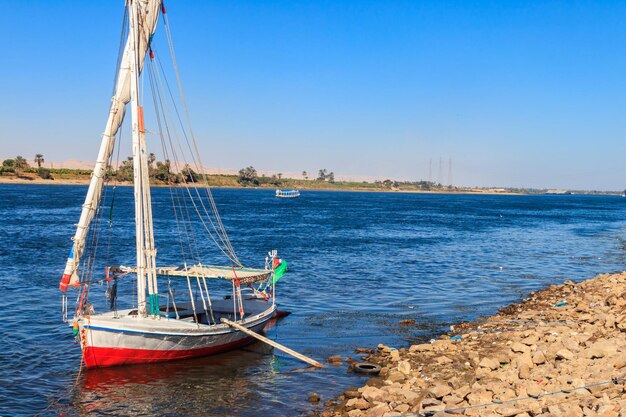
<point>144,232</point>
<point>149,18</point>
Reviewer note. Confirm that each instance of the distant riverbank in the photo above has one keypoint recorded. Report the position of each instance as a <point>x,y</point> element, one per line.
<point>223,181</point>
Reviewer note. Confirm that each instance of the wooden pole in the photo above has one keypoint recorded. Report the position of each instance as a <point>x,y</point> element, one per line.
<point>272,343</point>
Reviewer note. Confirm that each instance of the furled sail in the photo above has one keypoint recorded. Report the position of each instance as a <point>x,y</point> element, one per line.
<point>148,11</point>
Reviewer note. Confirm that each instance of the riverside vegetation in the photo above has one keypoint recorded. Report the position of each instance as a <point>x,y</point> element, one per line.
<point>560,352</point>
<point>162,173</point>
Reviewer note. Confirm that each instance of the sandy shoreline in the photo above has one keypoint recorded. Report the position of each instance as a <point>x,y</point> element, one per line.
<point>560,352</point>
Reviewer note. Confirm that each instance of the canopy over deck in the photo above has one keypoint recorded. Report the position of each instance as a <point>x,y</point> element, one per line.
<point>244,275</point>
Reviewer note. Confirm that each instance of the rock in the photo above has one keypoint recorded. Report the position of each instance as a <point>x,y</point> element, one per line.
<point>462,391</point>
<point>373,394</point>
<point>440,390</point>
<point>533,389</point>
<point>351,393</point>
<point>443,360</point>
<point>336,359</point>
<point>564,354</point>
<point>395,355</point>
<point>602,348</point>
<point>357,403</point>
<point>396,376</point>
<point>356,413</point>
<point>378,411</point>
<point>404,367</point>
<point>451,400</point>
<point>407,322</point>
<point>431,402</point>
<point>539,358</point>
<point>314,397</point>
<point>480,396</point>
<point>364,350</point>
<point>519,347</point>
<point>508,411</point>
<point>383,348</point>
<point>402,408</point>
<point>425,347</point>
<point>489,363</point>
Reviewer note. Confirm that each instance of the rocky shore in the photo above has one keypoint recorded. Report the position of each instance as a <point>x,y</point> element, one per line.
<point>559,352</point>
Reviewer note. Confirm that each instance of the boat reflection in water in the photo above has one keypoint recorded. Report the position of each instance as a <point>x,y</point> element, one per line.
<point>212,385</point>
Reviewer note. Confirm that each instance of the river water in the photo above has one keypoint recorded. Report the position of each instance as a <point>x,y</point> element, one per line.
<point>359,263</point>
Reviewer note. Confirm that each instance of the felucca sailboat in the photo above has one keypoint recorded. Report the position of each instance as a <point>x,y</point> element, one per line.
<point>160,325</point>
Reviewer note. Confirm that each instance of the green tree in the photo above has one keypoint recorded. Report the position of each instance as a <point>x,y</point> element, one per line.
<point>321,176</point>
<point>8,163</point>
<point>163,171</point>
<point>331,177</point>
<point>248,176</point>
<point>125,171</point>
<point>39,160</point>
<point>20,164</point>
<point>189,174</point>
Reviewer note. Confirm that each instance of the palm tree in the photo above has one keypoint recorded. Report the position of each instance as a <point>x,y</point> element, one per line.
<point>305,175</point>
<point>39,160</point>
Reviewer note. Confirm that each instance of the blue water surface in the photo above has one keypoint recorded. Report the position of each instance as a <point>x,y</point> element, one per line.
<point>359,263</point>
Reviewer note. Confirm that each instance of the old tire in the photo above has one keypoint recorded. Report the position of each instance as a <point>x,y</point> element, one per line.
<point>366,368</point>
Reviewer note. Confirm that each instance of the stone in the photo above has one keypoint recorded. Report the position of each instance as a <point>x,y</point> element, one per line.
<point>336,359</point>
<point>356,413</point>
<point>351,393</point>
<point>409,397</point>
<point>440,390</point>
<point>489,363</point>
<point>357,403</point>
<point>396,376</point>
<point>508,411</point>
<point>462,391</point>
<point>564,354</point>
<point>378,411</point>
<point>451,400</point>
<point>314,397</point>
<point>539,358</point>
<point>443,360</point>
<point>404,367</point>
<point>533,389</point>
<point>425,347</point>
<point>602,348</point>
<point>402,408</point>
<point>481,396</point>
<point>373,394</point>
<point>395,355</point>
<point>519,347</point>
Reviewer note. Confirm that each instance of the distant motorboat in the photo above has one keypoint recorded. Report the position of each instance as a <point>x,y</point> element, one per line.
<point>287,193</point>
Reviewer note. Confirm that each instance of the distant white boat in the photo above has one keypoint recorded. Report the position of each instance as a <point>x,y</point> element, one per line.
<point>287,193</point>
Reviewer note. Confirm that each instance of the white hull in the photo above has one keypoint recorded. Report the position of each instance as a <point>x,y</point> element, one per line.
<point>109,341</point>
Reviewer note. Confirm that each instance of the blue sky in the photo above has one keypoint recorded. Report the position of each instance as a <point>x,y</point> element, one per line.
<point>517,93</point>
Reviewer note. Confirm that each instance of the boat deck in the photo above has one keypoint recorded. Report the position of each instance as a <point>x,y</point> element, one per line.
<point>255,310</point>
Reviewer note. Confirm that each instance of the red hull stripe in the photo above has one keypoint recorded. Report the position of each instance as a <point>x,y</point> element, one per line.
<point>102,357</point>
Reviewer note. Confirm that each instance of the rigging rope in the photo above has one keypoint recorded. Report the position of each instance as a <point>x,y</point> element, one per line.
<point>225,247</point>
